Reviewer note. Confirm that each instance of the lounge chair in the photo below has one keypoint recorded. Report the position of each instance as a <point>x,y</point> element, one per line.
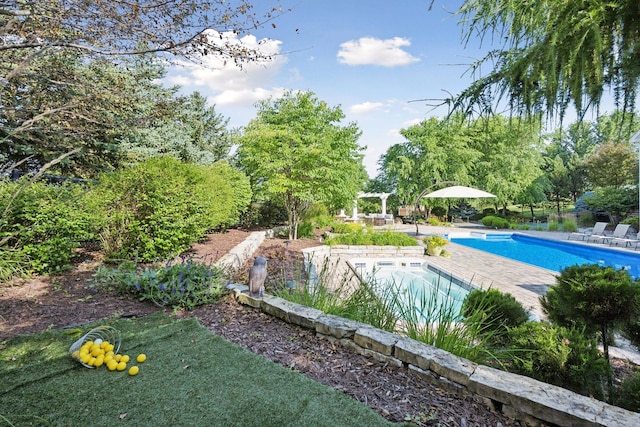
<point>627,240</point>
<point>619,233</point>
<point>597,230</point>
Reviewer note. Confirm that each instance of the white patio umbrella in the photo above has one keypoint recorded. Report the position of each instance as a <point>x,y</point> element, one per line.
<point>459,192</point>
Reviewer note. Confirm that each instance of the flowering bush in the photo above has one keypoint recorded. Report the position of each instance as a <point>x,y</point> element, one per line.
<point>186,284</point>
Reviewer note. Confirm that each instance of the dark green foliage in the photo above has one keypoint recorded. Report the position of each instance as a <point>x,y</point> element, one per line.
<point>365,238</point>
<point>616,201</point>
<point>631,330</point>
<point>628,394</point>
<point>43,224</point>
<point>495,222</point>
<point>596,298</point>
<point>187,284</point>
<point>161,206</point>
<point>590,296</point>
<point>263,214</point>
<point>499,311</point>
<point>560,356</point>
<point>633,221</point>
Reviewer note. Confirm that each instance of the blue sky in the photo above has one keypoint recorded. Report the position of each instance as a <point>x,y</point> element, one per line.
<point>370,57</point>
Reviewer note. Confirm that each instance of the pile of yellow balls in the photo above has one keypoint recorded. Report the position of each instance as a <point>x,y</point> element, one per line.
<point>97,353</point>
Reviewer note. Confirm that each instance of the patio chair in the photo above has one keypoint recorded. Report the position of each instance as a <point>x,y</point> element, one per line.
<point>597,230</point>
<point>620,232</point>
<point>627,240</point>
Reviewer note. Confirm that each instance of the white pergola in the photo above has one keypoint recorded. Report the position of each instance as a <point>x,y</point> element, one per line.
<point>383,197</point>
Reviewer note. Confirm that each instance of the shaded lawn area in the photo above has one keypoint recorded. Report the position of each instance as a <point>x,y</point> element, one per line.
<point>191,377</point>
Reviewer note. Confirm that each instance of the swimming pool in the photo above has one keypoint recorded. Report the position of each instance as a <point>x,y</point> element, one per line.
<point>553,255</point>
<point>417,283</point>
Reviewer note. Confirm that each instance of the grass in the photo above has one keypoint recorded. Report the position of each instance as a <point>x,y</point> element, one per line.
<point>191,377</point>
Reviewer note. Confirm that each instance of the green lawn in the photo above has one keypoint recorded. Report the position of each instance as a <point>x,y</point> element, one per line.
<point>191,378</point>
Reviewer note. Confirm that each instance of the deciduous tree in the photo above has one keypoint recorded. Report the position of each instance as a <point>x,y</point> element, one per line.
<point>296,151</point>
<point>554,53</point>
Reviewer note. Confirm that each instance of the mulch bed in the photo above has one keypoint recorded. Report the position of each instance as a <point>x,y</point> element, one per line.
<point>68,299</point>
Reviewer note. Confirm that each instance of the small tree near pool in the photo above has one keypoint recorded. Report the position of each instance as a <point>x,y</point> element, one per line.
<point>296,152</point>
<point>598,298</point>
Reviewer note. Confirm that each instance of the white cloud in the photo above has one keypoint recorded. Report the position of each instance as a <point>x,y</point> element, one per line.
<point>365,107</point>
<point>230,84</point>
<point>372,51</point>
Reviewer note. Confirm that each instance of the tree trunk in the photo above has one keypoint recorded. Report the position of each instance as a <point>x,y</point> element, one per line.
<point>605,350</point>
<point>531,207</point>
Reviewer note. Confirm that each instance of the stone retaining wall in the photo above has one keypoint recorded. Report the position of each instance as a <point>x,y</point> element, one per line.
<point>528,400</point>
<point>239,255</point>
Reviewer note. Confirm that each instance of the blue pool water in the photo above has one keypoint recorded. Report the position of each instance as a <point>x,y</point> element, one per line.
<point>550,254</point>
<point>418,285</point>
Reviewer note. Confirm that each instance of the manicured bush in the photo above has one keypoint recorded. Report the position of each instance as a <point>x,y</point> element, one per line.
<point>498,311</point>
<point>366,238</point>
<point>565,357</point>
<point>42,225</point>
<point>495,222</point>
<point>186,284</point>
<point>345,227</point>
<point>161,206</point>
<point>597,298</point>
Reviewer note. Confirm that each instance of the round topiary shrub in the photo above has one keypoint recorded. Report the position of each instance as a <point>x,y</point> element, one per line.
<point>496,311</point>
<point>495,222</point>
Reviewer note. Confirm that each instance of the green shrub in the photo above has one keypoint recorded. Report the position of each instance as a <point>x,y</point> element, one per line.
<point>591,296</point>
<point>628,393</point>
<point>187,284</point>
<point>161,206</point>
<point>367,238</point>
<point>305,230</point>
<point>500,311</point>
<point>631,330</point>
<point>434,221</point>
<point>345,227</point>
<point>569,226</point>
<point>42,225</point>
<point>559,356</point>
<point>633,221</point>
<point>569,223</point>
<point>495,222</point>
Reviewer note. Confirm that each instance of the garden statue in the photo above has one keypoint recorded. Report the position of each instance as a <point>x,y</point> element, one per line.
<point>257,276</point>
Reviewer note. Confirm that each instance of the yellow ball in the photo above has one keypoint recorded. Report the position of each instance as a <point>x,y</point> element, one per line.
<point>125,358</point>
<point>133,370</point>
<point>121,366</point>
<point>117,357</point>
<point>112,365</point>
<point>141,358</point>
<point>99,361</point>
